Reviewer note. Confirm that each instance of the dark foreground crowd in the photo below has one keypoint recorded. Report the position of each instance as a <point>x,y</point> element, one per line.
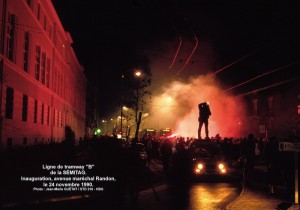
<point>121,159</point>
<point>246,153</point>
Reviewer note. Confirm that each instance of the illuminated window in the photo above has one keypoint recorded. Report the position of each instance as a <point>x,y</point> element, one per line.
<point>9,108</point>
<point>25,108</point>
<point>10,37</point>
<point>37,62</point>
<point>26,51</point>
<point>35,111</point>
<point>299,109</point>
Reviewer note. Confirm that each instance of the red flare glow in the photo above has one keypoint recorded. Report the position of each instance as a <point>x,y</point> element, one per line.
<point>178,108</point>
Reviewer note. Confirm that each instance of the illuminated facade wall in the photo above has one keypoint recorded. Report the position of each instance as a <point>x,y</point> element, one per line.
<point>275,112</point>
<point>43,87</point>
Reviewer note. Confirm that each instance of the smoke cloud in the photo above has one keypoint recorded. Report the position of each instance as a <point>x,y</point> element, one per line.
<point>175,100</point>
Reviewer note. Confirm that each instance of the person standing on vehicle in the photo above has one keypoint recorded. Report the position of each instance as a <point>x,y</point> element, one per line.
<point>204,113</point>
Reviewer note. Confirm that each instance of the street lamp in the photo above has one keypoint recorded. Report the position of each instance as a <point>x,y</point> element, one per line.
<point>137,74</point>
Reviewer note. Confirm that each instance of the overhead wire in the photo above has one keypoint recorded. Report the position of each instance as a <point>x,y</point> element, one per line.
<point>177,51</point>
<point>192,53</point>
<point>261,75</point>
<point>250,80</point>
<point>236,61</point>
<point>270,86</point>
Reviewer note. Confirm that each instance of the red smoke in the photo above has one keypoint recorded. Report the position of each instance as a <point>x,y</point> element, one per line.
<point>177,107</point>
<point>175,101</point>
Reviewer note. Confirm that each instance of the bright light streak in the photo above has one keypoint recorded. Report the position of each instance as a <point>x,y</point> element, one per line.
<point>195,47</point>
<point>236,61</point>
<point>261,75</point>
<point>189,58</point>
<point>176,54</point>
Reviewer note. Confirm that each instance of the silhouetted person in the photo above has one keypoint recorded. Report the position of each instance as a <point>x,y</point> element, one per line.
<point>149,149</point>
<point>248,151</point>
<point>273,163</point>
<point>204,113</point>
<point>180,178</point>
<point>166,153</point>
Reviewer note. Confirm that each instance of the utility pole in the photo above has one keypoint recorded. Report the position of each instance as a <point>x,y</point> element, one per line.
<point>121,123</point>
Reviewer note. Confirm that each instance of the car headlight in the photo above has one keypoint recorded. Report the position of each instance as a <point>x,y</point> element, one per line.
<point>222,168</point>
<point>198,168</point>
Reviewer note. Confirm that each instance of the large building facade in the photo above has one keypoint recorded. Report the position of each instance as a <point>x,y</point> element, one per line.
<point>43,86</point>
<point>274,111</point>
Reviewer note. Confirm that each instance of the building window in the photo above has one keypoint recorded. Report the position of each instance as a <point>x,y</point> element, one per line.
<point>35,111</point>
<point>42,114</point>
<point>271,123</point>
<point>255,105</point>
<point>26,51</point>
<point>11,29</point>
<point>48,116</point>
<point>54,79</point>
<point>48,73</point>
<point>270,104</point>
<point>28,2</point>
<point>50,32</point>
<point>25,108</point>
<point>58,118</point>
<point>37,62</point>
<point>9,108</point>
<point>39,12</point>
<point>43,67</point>
<point>9,142</point>
<point>54,117</point>
<point>45,23</point>
<point>58,83</point>
<point>25,141</point>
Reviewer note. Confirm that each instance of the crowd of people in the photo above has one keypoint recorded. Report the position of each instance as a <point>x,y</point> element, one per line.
<point>246,152</point>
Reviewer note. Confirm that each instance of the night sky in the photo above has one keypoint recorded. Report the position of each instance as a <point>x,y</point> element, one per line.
<point>111,36</point>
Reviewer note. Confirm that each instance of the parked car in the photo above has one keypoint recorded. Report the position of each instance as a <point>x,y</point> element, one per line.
<point>208,160</point>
